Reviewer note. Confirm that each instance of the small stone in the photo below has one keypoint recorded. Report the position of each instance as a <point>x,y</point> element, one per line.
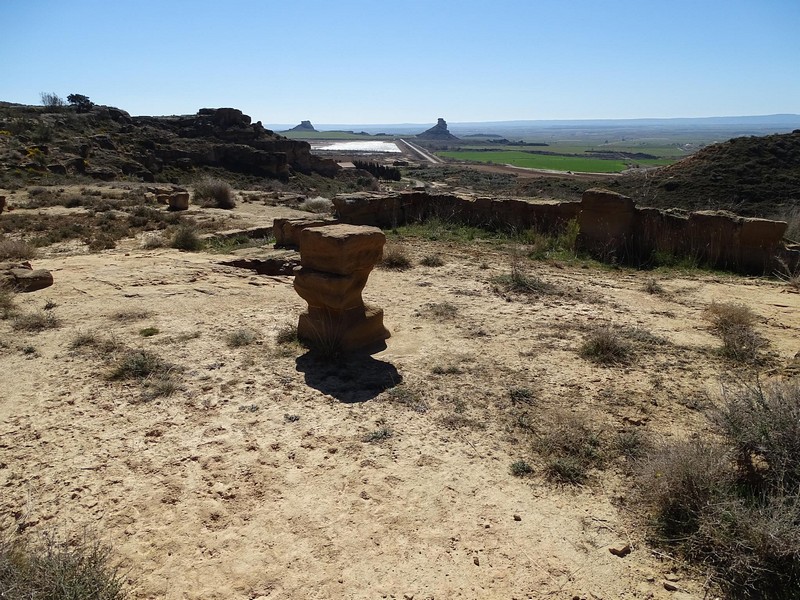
<point>670,587</point>
<point>671,577</point>
<point>621,551</point>
<point>517,518</point>
<point>477,561</point>
<point>364,495</point>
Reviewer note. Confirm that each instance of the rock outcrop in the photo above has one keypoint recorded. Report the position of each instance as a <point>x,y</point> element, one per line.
<point>24,278</point>
<point>335,263</point>
<point>304,126</point>
<point>106,143</point>
<point>437,132</point>
<point>610,226</point>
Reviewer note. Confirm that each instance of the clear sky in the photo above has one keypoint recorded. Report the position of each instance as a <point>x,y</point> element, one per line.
<point>398,61</point>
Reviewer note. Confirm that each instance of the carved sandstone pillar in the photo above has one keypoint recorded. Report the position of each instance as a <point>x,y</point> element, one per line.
<point>335,263</point>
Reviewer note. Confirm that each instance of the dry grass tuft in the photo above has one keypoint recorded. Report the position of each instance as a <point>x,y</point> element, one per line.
<point>396,258</point>
<point>606,346</point>
<point>734,324</point>
<point>58,570</point>
<point>214,193</point>
<point>16,249</point>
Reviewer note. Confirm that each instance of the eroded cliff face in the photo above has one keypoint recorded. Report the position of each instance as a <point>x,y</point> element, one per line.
<point>107,143</point>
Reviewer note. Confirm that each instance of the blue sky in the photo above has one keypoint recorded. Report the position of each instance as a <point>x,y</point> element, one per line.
<point>397,61</point>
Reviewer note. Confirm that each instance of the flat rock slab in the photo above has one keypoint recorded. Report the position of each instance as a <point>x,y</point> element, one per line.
<point>341,249</point>
<point>23,278</point>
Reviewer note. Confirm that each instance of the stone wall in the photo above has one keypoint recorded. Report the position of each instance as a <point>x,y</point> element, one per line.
<point>611,226</point>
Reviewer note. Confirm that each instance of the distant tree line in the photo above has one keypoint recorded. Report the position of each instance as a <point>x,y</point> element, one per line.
<point>379,171</point>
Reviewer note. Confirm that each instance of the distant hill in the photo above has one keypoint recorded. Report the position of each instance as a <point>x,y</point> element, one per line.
<point>748,175</point>
<point>304,126</point>
<point>438,132</point>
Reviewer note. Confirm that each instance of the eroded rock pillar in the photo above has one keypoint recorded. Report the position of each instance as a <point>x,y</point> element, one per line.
<point>335,263</point>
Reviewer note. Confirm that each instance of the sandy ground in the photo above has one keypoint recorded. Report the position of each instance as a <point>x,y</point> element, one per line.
<point>257,477</point>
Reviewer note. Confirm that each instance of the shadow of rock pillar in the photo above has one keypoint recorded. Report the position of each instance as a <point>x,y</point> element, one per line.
<point>335,263</point>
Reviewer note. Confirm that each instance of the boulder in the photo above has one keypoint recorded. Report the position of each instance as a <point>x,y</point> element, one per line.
<point>24,278</point>
<point>179,201</point>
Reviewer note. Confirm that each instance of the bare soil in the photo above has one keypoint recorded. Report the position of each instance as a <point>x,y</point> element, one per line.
<point>268,474</point>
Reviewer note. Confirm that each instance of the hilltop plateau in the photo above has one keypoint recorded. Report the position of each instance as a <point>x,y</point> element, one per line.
<point>531,428</point>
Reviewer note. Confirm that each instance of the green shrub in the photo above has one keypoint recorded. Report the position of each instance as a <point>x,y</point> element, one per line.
<point>214,193</point>
<point>520,468</point>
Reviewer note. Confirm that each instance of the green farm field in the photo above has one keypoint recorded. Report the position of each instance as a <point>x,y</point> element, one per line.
<point>551,162</point>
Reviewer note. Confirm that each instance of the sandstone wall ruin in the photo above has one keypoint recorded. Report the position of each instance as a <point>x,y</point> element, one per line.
<point>611,226</point>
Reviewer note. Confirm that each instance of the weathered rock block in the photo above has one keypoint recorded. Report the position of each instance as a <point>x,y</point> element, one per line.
<point>179,201</point>
<point>341,249</point>
<point>336,261</point>
<point>287,231</point>
<point>342,331</point>
<point>339,292</point>
<point>23,278</point>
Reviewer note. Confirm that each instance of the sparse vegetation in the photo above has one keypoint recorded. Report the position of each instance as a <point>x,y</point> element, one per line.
<point>287,335</point>
<point>396,258</point>
<point>186,238</point>
<point>149,331</point>
<point>734,502</point>
<point>520,282</point>
<point>56,569</point>
<point>36,321</point>
<point>520,468</point>
<point>606,346</point>
<point>241,337</point>
<point>7,304</point>
<point>139,364</point>
<point>734,324</point>
<point>570,448</point>
<point>379,435</point>
<point>11,249</point>
<point>319,205</point>
<point>432,260</point>
<point>441,310</point>
<point>214,193</point>
<point>652,286</point>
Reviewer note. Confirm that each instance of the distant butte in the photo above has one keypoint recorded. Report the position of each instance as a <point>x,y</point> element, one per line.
<point>437,132</point>
<point>304,126</point>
